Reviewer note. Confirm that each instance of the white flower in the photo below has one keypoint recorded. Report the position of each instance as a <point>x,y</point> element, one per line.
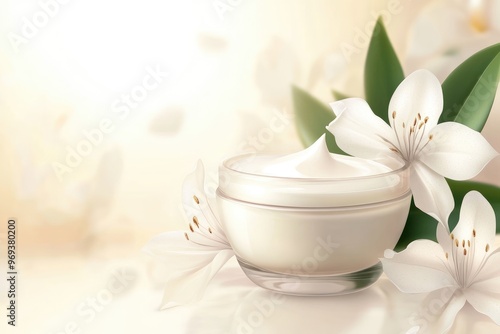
<point>444,34</point>
<point>434,150</point>
<point>193,257</point>
<point>462,267</point>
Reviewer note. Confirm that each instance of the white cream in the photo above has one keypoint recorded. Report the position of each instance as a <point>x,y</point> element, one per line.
<point>311,214</point>
<point>314,162</point>
<point>311,178</point>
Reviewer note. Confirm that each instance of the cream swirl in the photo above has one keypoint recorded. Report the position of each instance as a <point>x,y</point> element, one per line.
<point>313,162</point>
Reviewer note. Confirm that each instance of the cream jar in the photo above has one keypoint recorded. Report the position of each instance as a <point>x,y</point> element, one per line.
<point>312,223</point>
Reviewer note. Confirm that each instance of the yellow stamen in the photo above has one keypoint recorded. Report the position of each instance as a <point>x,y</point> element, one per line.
<point>477,19</point>
<point>197,201</point>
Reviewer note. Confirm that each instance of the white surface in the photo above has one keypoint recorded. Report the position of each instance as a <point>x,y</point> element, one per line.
<point>52,289</point>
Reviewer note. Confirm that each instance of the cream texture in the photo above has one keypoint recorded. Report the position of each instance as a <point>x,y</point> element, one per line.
<point>310,178</point>
<point>311,212</point>
<point>313,162</point>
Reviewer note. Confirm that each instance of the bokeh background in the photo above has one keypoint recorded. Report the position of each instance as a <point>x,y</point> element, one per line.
<point>106,105</point>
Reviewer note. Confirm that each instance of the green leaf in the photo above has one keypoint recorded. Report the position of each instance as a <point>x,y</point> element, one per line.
<point>339,96</point>
<point>469,91</point>
<point>461,188</point>
<point>418,226</point>
<point>422,226</point>
<point>311,119</point>
<point>383,72</point>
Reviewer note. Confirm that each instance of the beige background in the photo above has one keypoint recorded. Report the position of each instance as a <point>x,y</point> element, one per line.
<point>227,79</point>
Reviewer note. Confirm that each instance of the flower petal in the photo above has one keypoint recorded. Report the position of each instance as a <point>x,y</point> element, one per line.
<point>431,192</point>
<point>187,288</point>
<point>190,266</point>
<point>456,151</point>
<point>439,310</point>
<point>178,254</point>
<point>444,238</point>
<point>478,215</point>
<point>488,279</point>
<point>201,216</point>
<point>420,93</point>
<point>419,268</point>
<point>359,132</point>
<point>485,301</point>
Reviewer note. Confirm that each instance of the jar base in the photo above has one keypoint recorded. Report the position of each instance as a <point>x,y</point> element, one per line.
<point>311,285</point>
